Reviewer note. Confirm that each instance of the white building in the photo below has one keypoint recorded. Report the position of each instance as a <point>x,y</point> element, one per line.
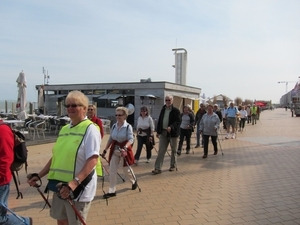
<point>108,96</point>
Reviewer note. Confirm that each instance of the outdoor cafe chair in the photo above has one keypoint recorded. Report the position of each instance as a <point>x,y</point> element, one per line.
<point>106,125</point>
<point>53,125</point>
<point>37,127</point>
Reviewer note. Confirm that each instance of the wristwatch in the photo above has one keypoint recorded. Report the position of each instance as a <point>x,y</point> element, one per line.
<point>77,180</point>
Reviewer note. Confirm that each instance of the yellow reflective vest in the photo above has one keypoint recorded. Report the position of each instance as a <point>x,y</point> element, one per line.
<point>65,151</point>
<point>254,110</point>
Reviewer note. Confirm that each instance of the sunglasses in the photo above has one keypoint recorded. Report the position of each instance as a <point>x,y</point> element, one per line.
<point>90,109</point>
<point>119,115</point>
<point>72,105</point>
<point>167,100</point>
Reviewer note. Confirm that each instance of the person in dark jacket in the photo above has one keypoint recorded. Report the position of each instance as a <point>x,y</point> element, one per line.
<point>218,112</point>
<point>167,131</point>
<point>198,118</point>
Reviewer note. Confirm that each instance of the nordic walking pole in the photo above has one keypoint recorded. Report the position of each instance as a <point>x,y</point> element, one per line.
<point>219,141</point>
<point>108,163</point>
<point>70,201</point>
<point>38,185</point>
<point>157,152</point>
<point>9,210</point>
<point>75,210</point>
<point>220,145</point>
<point>130,169</point>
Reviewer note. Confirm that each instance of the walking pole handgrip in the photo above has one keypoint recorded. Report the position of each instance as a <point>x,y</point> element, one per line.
<point>37,185</point>
<point>38,181</point>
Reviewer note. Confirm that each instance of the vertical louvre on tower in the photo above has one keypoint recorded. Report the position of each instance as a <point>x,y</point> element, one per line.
<point>180,66</point>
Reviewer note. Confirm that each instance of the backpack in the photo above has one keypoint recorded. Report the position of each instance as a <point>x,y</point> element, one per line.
<point>20,152</point>
<point>20,157</point>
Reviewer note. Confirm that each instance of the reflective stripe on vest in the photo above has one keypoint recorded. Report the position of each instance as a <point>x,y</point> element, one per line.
<point>65,151</point>
<point>254,110</point>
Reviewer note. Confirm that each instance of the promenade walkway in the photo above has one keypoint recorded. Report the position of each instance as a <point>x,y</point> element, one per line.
<point>255,182</point>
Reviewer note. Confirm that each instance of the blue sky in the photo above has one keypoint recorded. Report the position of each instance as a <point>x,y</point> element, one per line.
<point>240,48</point>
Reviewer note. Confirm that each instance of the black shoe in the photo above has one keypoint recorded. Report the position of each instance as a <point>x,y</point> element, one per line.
<point>216,152</point>
<point>134,185</point>
<point>204,156</point>
<point>197,146</point>
<point>178,152</point>
<point>109,195</point>
<point>172,169</point>
<point>156,171</point>
<point>187,151</point>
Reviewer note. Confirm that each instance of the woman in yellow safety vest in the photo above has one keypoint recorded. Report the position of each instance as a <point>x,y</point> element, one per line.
<point>74,158</point>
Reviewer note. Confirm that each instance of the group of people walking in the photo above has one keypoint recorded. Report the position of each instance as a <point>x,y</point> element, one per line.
<point>74,181</point>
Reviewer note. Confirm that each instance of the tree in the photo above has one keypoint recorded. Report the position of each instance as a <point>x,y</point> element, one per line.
<point>238,101</point>
<point>225,100</point>
<point>214,100</point>
<point>248,102</point>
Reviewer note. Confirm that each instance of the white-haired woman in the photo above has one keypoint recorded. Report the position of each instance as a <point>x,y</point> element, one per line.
<point>120,143</point>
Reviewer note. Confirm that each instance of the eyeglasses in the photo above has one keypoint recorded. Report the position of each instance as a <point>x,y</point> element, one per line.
<point>90,109</point>
<point>167,100</point>
<point>72,105</point>
<point>119,115</point>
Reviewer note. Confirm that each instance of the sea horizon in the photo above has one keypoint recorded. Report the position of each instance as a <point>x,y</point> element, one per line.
<point>11,105</point>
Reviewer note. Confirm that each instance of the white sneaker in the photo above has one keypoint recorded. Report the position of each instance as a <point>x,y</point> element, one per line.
<point>227,136</point>
<point>136,162</point>
<point>148,160</point>
<point>233,137</point>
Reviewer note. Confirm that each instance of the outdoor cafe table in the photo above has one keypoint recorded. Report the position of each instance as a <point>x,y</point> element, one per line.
<point>12,122</point>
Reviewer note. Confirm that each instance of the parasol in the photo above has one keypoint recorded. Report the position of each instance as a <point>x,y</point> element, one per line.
<point>21,102</point>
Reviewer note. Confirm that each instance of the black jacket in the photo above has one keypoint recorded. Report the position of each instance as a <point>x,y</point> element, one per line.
<point>218,112</point>
<point>174,121</point>
<point>199,115</point>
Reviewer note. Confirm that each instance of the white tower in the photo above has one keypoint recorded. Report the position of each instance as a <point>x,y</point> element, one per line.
<point>180,65</point>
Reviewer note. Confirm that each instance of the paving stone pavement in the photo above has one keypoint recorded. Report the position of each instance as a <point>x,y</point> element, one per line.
<point>255,182</point>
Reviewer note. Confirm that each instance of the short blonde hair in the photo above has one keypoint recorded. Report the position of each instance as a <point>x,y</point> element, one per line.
<point>123,109</point>
<point>92,106</point>
<point>78,98</point>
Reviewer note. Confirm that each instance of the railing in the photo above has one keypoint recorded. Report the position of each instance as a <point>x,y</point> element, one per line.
<point>9,106</point>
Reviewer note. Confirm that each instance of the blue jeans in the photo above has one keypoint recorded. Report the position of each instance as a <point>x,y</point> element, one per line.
<point>5,218</point>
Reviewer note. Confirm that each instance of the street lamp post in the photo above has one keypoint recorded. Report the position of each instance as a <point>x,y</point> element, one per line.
<point>46,80</point>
